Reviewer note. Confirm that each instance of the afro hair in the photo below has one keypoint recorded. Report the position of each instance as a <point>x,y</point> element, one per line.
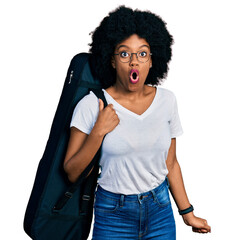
<point>118,26</point>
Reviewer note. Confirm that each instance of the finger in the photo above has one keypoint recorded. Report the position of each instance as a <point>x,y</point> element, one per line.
<point>201,230</point>
<point>101,105</point>
<point>206,227</point>
<point>116,119</point>
<point>195,229</point>
<point>110,106</point>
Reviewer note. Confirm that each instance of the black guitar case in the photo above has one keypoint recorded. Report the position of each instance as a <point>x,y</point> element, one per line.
<point>57,209</point>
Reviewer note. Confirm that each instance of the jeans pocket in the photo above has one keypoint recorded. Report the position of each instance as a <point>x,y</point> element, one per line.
<point>105,204</point>
<point>162,197</point>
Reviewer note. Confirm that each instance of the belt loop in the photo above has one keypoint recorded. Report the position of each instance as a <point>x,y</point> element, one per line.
<point>139,196</point>
<point>121,200</point>
<point>168,184</point>
<point>154,195</point>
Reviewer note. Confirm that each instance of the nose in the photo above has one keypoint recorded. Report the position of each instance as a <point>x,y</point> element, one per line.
<point>133,60</point>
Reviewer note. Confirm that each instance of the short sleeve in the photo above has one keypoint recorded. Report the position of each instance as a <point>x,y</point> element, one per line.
<point>85,113</point>
<point>175,124</point>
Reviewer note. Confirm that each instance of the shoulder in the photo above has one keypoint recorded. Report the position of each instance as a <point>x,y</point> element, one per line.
<point>89,98</point>
<point>88,103</point>
<point>166,94</point>
<point>85,113</point>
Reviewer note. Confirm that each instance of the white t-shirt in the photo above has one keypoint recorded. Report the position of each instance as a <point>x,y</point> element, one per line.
<point>133,156</point>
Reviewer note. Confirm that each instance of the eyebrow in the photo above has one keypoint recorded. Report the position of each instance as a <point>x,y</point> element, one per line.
<point>128,47</point>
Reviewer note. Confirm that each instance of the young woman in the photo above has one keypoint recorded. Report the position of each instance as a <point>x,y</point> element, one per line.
<point>141,122</point>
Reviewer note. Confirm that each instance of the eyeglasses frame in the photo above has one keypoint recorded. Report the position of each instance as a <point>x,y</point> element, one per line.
<point>150,54</point>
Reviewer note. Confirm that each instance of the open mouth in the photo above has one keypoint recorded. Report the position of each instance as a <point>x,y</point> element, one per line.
<point>134,76</point>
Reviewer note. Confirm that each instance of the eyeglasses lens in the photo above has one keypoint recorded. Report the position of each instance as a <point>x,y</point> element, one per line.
<point>142,56</point>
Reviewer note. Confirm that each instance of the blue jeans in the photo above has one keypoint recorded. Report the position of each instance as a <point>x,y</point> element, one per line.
<point>143,216</point>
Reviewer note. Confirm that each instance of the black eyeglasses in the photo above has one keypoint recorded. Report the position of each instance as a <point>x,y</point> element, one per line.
<point>142,56</point>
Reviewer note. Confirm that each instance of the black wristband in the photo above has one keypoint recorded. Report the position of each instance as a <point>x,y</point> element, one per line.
<point>187,210</point>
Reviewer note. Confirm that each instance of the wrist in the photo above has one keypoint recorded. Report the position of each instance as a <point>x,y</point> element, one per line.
<point>97,132</point>
<point>187,218</point>
<point>187,210</point>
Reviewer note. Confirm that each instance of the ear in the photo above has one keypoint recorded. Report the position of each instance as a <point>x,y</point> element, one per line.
<point>150,63</point>
<point>113,62</point>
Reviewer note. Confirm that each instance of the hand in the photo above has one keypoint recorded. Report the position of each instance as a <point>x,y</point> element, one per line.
<point>198,225</point>
<point>107,119</point>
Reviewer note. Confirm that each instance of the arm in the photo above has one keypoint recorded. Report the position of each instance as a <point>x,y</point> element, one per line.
<point>82,147</point>
<point>178,192</point>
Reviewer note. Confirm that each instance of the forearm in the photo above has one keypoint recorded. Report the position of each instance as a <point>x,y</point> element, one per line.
<point>179,194</point>
<point>77,164</point>
<point>82,152</point>
<point>177,188</point>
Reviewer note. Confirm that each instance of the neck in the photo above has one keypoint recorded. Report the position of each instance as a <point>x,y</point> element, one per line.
<point>136,93</point>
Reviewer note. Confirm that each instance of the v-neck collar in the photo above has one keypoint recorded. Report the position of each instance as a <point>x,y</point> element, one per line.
<point>138,116</point>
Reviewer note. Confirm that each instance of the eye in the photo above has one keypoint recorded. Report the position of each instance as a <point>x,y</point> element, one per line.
<point>124,54</point>
<point>143,54</point>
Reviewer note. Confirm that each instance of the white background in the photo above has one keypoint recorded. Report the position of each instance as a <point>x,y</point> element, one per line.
<point>38,40</point>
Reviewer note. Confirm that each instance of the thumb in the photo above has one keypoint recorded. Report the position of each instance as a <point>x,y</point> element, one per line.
<point>101,105</point>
